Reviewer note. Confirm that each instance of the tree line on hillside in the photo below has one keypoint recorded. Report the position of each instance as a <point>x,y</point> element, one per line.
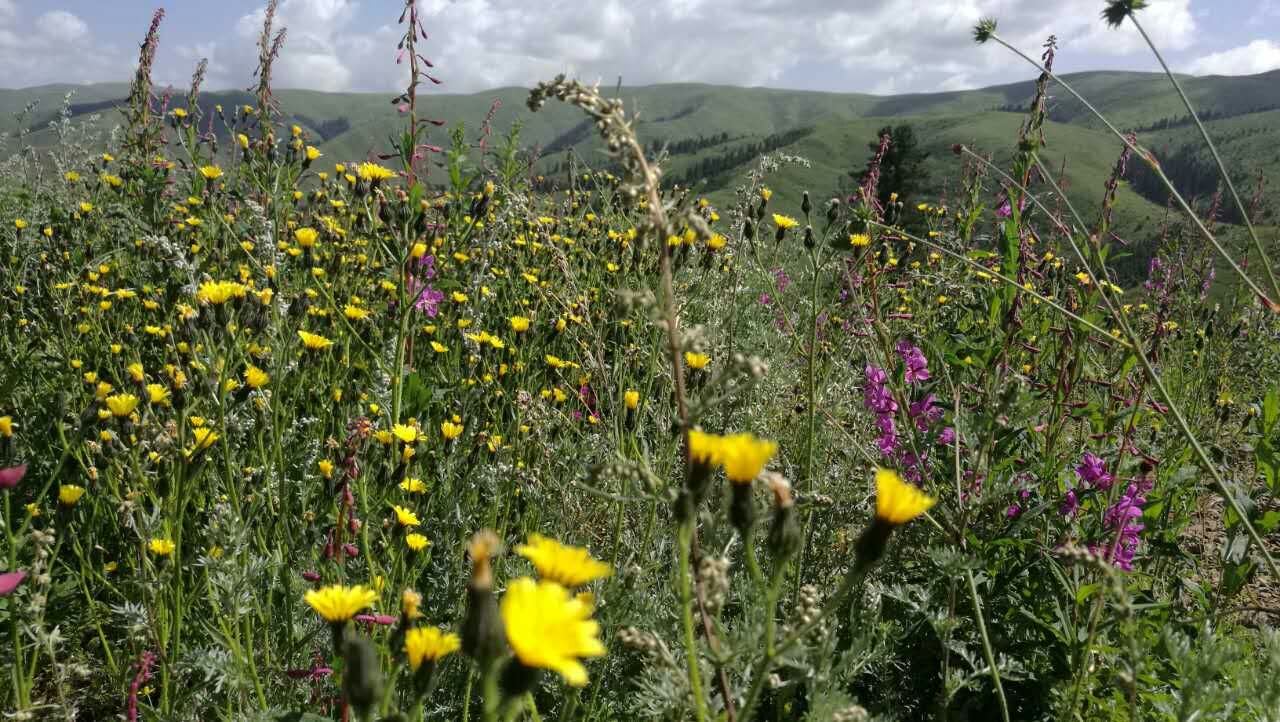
<point>715,168</point>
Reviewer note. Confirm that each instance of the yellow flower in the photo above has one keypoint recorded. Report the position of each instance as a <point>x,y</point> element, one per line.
<point>859,240</point>
<point>219,292</point>
<point>136,372</point>
<point>161,547</point>
<point>566,565</point>
<point>632,399</point>
<point>211,172</point>
<point>416,542</point>
<point>898,502</point>
<point>204,437</point>
<point>429,644</point>
<point>696,360</point>
<point>313,152</point>
<point>355,313</point>
<point>315,342</point>
<point>519,324</point>
<point>373,172</point>
<point>122,404</point>
<point>306,237</point>
<point>255,377</point>
<point>450,430</point>
<point>405,433</point>
<point>704,448</point>
<point>404,516</point>
<point>549,628</point>
<point>69,494</point>
<point>784,222</point>
<point>158,394</point>
<point>744,456</point>
<point>7,426</point>
<point>326,468</point>
<point>766,194</point>
<point>413,485</point>
<point>337,603</point>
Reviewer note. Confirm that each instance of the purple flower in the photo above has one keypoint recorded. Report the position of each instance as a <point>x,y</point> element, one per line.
<point>947,437</point>
<point>1093,470</point>
<point>1013,511</point>
<point>1069,504</point>
<point>917,366</point>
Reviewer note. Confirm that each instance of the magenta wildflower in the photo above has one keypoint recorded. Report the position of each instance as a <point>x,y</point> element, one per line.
<point>1093,470</point>
<point>917,366</point>
<point>10,581</point>
<point>10,477</point>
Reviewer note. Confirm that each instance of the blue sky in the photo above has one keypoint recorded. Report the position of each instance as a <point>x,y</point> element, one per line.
<point>881,46</point>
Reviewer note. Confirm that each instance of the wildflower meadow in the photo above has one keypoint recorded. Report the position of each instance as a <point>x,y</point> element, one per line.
<point>421,435</point>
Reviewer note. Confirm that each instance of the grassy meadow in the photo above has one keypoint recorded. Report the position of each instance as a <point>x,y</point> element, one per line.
<point>654,403</point>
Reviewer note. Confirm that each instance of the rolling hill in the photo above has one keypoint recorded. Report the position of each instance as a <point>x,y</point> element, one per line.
<point>722,127</point>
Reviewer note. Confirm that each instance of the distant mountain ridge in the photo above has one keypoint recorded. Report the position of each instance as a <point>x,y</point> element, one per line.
<point>831,129</point>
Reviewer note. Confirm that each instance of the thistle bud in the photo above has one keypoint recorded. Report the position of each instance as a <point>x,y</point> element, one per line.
<point>742,509</point>
<point>808,237</point>
<point>805,204</point>
<point>833,210</point>
<point>482,632</point>
<point>784,536</point>
<point>361,677</point>
<point>748,230</point>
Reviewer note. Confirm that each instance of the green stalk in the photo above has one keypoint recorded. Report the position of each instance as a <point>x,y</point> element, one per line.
<point>1222,168</point>
<point>686,609</point>
<point>1155,167</point>
<point>986,645</point>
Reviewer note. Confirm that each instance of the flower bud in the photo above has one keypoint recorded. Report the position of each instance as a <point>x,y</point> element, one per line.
<point>805,204</point>
<point>742,508</point>
<point>483,638</point>
<point>784,536</point>
<point>361,676</point>
<point>808,237</point>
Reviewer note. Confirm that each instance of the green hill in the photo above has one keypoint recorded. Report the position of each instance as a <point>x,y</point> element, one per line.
<point>721,129</point>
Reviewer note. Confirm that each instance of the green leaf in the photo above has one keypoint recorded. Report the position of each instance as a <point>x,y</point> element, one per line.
<point>1085,591</point>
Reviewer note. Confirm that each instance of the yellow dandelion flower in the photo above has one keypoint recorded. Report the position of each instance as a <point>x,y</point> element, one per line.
<point>69,494</point>
<point>898,502</point>
<point>450,430</point>
<point>632,399</point>
<point>211,172</point>
<point>744,456</point>
<point>784,222</point>
<point>158,394</point>
<point>219,292</point>
<point>373,172</point>
<point>696,360</point>
<point>306,237</point>
<point>326,468</point>
<point>416,542</point>
<point>704,448</point>
<point>413,485</point>
<point>404,516</point>
<point>121,405</point>
<point>407,434</point>
<point>549,628</point>
<point>7,426</point>
<point>430,645</point>
<point>337,603</point>
<point>566,565</point>
<point>314,342</point>
<point>161,547</point>
<point>255,377</point>
<point>859,240</point>
<point>519,324</point>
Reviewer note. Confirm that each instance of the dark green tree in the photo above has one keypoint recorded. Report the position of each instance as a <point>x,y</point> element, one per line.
<point>902,169</point>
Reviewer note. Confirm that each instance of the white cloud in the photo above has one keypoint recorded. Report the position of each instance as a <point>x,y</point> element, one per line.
<point>55,46</point>
<point>1258,56</point>
<point>866,45</point>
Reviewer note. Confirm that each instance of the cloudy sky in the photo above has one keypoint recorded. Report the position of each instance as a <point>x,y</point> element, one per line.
<point>879,46</point>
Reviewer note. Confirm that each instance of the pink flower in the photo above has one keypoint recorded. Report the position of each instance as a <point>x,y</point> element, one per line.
<point>9,581</point>
<point>10,477</point>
